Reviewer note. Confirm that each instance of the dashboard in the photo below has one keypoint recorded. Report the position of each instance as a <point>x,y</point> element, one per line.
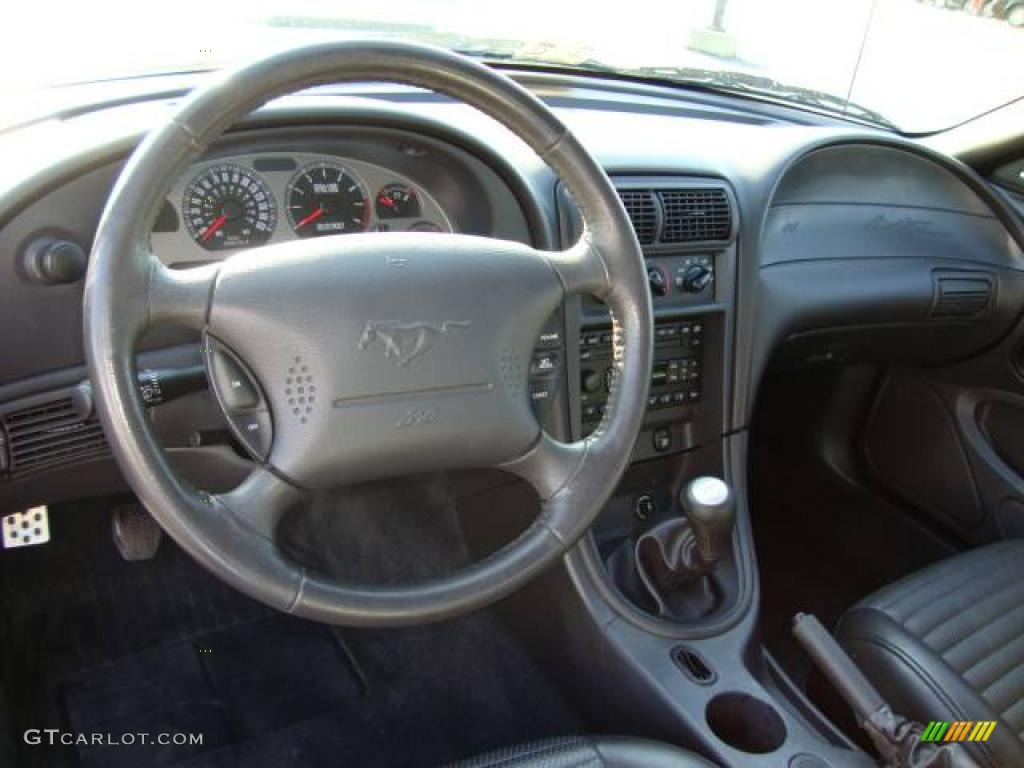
<point>766,239</point>
<point>771,240</point>
<point>248,200</point>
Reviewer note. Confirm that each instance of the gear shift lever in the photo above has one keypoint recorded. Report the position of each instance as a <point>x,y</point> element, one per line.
<point>711,509</point>
<point>675,560</point>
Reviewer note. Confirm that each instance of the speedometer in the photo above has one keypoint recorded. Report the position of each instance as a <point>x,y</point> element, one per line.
<point>228,206</point>
<point>327,199</point>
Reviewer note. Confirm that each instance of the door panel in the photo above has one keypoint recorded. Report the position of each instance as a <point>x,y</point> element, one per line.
<point>914,447</point>
<point>950,442</point>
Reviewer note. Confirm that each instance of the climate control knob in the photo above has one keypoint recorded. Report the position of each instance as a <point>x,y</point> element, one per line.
<point>696,278</point>
<point>656,280</point>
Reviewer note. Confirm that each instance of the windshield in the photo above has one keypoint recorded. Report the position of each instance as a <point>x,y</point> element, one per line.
<point>906,64</point>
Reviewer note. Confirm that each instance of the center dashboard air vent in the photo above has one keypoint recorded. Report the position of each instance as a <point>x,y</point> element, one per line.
<point>694,215</point>
<point>673,215</point>
<point>643,212</point>
<point>49,434</point>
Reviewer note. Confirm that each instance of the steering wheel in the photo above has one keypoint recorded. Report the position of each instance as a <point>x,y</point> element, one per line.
<point>410,352</point>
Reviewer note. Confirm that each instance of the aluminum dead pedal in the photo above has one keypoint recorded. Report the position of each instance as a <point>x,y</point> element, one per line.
<point>26,529</point>
<point>136,534</point>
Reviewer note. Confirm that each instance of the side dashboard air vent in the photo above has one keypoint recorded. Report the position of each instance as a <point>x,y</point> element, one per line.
<point>961,294</point>
<point>50,434</point>
<point>695,214</point>
<point>642,211</point>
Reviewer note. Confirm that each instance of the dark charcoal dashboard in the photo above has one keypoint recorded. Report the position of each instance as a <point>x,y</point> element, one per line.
<point>772,239</point>
<point>767,243</point>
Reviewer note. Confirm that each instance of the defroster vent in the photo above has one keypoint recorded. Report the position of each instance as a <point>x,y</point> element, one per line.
<point>695,215</point>
<point>50,434</point>
<point>642,211</point>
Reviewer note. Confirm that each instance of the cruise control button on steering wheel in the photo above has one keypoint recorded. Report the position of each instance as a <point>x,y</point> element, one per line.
<point>255,430</point>
<point>240,397</point>
<point>236,389</point>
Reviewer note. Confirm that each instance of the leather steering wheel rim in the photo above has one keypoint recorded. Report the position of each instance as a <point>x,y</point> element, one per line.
<point>128,291</point>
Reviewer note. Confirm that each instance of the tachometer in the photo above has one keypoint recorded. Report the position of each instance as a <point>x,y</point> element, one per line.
<point>228,206</point>
<point>327,199</point>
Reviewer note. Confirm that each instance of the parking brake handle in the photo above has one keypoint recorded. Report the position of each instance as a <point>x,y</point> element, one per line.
<point>897,739</point>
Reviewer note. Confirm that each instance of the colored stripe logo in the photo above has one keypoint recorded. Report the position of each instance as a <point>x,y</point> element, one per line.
<point>960,730</point>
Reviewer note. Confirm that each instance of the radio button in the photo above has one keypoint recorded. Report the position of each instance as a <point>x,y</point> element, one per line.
<point>662,439</point>
<point>592,381</point>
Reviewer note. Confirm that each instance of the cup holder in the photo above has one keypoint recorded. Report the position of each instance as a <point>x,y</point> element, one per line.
<point>745,723</point>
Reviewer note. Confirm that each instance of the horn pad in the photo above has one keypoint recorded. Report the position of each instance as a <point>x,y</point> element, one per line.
<point>388,355</point>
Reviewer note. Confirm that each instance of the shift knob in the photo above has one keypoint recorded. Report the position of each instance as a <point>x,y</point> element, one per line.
<point>710,507</point>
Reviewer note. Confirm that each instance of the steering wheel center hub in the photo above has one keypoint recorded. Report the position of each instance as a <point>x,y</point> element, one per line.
<point>377,356</point>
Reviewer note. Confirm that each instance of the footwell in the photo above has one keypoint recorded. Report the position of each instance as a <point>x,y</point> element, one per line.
<point>93,644</point>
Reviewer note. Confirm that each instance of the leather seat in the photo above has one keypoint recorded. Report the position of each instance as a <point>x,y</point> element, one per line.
<point>588,752</point>
<point>947,643</point>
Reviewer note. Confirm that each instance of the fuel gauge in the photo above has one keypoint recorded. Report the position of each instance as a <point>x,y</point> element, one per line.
<point>397,201</point>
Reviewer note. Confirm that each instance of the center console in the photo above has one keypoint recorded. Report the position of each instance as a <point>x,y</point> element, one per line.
<point>667,575</point>
<point>686,228</point>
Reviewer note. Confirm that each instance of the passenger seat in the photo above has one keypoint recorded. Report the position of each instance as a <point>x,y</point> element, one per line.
<point>947,643</point>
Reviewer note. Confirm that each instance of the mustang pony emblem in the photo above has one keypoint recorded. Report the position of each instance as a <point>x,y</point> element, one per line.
<point>407,341</point>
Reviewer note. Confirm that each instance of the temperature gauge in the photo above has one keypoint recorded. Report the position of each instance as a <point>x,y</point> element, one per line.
<point>397,201</point>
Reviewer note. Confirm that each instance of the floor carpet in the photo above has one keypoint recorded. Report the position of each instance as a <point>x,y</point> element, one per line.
<point>822,545</point>
<point>93,644</point>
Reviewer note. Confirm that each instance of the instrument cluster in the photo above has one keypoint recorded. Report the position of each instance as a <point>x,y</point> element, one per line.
<point>250,200</point>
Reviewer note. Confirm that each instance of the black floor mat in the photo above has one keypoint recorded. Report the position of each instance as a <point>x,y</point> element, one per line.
<point>94,644</point>
<point>156,692</point>
<point>822,545</point>
<point>227,686</point>
<point>276,673</point>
